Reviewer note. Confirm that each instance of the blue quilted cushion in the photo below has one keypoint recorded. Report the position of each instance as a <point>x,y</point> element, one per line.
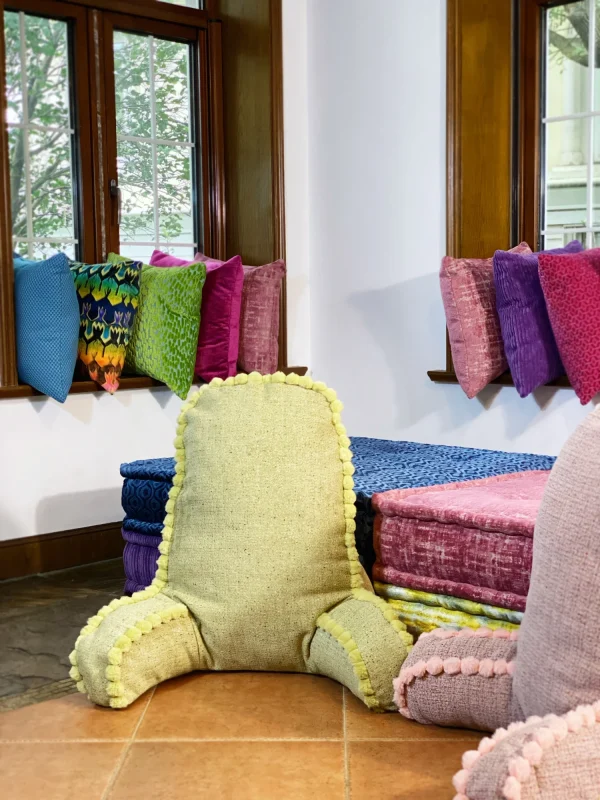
<point>47,324</point>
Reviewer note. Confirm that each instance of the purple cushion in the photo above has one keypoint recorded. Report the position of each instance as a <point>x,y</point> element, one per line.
<point>219,338</point>
<point>529,343</point>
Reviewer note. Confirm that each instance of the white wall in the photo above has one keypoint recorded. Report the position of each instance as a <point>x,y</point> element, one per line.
<point>376,171</point>
<point>60,463</point>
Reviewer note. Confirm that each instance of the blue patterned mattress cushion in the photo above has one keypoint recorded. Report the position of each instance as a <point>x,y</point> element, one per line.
<point>380,465</point>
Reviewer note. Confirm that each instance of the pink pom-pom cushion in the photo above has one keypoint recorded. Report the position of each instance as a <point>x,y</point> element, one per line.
<point>554,758</point>
<point>571,286</point>
<point>472,539</point>
<point>458,679</point>
<point>219,336</point>
<point>469,297</point>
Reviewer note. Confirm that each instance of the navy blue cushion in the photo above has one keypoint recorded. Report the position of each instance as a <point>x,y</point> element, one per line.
<point>47,324</point>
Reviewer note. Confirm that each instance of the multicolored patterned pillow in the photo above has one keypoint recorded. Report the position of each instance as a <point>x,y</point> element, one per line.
<point>164,339</point>
<point>469,298</point>
<point>571,286</point>
<point>108,300</point>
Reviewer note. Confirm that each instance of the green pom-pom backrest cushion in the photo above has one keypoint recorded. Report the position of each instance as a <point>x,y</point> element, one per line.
<point>259,568</point>
<point>164,339</point>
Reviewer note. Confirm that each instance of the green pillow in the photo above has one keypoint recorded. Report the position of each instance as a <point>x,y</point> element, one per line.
<point>164,339</point>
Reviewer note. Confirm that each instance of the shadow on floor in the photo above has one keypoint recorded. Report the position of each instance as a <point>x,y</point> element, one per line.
<point>40,618</point>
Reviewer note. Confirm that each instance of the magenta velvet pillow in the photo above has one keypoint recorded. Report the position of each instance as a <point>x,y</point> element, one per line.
<point>219,336</point>
<point>469,298</point>
<point>259,323</point>
<point>571,286</point>
<point>529,343</point>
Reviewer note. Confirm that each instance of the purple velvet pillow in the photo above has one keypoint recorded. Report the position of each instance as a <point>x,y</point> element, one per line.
<point>529,343</point>
<point>219,337</point>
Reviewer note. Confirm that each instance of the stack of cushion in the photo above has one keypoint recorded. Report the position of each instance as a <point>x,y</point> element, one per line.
<point>380,465</point>
<point>466,546</point>
<point>533,313</point>
<point>201,318</point>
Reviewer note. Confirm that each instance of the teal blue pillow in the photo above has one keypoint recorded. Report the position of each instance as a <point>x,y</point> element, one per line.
<point>47,324</point>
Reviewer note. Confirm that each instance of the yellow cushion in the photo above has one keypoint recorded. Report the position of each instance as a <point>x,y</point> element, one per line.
<point>258,553</point>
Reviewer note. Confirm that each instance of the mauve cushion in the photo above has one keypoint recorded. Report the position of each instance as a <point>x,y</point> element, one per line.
<point>529,343</point>
<point>219,337</point>
<point>469,298</point>
<point>571,286</point>
<point>259,323</point>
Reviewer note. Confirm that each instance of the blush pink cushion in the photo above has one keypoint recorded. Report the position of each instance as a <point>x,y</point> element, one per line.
<point>469,297</point>
<point>571,286</point>
<point>219,336</point>
<point>259,323</point>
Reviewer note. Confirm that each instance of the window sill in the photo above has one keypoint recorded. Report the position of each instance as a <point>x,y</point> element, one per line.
<point>446,376</point>
<point>126,383</point>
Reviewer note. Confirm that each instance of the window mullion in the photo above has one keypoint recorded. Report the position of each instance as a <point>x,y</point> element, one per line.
<point>591,102</point>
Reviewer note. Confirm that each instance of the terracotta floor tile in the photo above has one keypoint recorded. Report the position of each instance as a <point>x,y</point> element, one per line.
<point>231,770</point>
<point>69,718</point>
<point>238,705</point>
<point>404,770</point>
<point>364,724</point>
<point>57,771</point>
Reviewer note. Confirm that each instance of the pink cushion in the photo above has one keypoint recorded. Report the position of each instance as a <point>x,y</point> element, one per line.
<point>469,297</point>
<point>219,337</point>
<point>259,323</point>
<point>571,286</point>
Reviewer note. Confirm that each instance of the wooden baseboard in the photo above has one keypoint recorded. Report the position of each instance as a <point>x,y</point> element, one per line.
<point>52,551</point>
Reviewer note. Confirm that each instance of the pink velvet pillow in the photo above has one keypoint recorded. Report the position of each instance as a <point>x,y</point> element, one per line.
<point>259,324</point>
<point>469,297</point>
<point>219,336</point>
<point>571,286</point>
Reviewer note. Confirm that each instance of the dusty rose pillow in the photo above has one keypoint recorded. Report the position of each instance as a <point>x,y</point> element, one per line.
<point>571,286</point>
<point>219,336</point>
<point>469,298</point>
<point>529,343</point>
<point>259,324</point>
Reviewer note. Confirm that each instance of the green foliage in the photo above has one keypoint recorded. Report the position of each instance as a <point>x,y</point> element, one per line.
<point>168,169</point>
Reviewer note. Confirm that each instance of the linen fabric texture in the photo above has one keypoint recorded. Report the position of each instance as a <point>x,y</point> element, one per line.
<point>469,298</point>
<point>258,568</point>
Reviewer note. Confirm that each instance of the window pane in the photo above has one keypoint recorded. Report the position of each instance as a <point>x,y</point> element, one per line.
<point>40,134</point>
<point>566,173</point>
<point>567,59</point>
<point>188,3</point>
<point>154,143</point>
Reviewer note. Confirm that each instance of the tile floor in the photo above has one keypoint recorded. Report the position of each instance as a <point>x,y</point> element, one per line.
<point>224,736</point>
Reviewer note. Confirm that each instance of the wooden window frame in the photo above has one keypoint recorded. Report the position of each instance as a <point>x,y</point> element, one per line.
<point>96,153</point>
<point>478,224</point>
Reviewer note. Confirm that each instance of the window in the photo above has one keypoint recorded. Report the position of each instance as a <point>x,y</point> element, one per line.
<point>571,124</point>
<point>155,145</point>
<point>112,137</point>
<point>41,135</point>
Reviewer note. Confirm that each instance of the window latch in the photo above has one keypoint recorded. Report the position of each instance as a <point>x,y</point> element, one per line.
<point>115,193</point>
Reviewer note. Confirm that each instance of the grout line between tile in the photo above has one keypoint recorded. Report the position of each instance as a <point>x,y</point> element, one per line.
<point>116,771</point>
<point>347,788</point>
<point>240,739</point>
<point>62,741</point>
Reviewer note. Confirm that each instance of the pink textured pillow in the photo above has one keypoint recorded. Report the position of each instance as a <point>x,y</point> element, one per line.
<point>469,297</point>
<point>259,324</point>
<point>571,286</point>
<point>219,336</point>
